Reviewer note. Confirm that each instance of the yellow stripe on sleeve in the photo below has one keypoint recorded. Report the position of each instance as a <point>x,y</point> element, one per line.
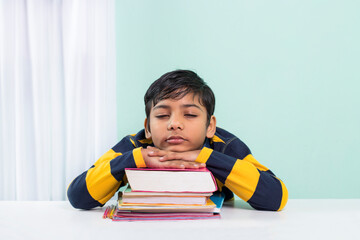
<point>250,158</point>
<point>243,179</point>
<point>100,183</point>
<point>138,158</point>
<point>109,155</point>
<point>285,195</point>
<point>204,155</point>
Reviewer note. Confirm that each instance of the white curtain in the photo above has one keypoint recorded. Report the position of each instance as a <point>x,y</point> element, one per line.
<point>57,93</point>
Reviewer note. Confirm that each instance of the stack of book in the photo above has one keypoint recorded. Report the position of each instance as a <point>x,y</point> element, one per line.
<point>168,194</point>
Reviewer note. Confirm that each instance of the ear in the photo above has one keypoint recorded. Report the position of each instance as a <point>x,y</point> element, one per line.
<point>211,129</point>
<point>147,129</point>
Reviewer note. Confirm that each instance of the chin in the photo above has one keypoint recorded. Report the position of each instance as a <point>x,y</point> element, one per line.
<point>181,148</point>
<point>177,149</point>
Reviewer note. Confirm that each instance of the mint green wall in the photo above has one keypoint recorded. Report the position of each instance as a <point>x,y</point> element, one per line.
<point>286,75</point>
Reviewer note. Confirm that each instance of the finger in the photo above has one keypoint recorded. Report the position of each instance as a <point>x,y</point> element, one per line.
<point>194,165</point>
<point>174,157</point>
<point>171,156</point>
<point>179,164</point>
<point>156,153</point>
<point>189,156</point>
<point>202,165</point>
<point>191,165</point>
<point>163,159</point>
<point>152,151</point>
<point>174,165</point>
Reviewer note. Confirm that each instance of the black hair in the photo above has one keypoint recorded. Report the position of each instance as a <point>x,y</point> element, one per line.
<point>177,84</point>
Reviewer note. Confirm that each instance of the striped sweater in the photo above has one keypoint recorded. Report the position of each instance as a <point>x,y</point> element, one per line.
<point>226,156</point>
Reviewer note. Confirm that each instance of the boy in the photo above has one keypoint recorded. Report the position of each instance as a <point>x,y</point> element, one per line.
<point>180,132</point>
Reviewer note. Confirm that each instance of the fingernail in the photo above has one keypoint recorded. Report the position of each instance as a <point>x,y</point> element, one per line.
<point>161,158</point>
<point>151,152</point>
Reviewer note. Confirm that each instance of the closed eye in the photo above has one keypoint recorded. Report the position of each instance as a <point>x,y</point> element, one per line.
<point>190,115</point>
<point>162,116</point>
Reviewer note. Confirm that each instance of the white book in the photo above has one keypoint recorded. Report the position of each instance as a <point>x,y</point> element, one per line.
<point>171,180</point>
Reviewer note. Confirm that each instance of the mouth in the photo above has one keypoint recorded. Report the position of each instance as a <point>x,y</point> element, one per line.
<point>175,140</point>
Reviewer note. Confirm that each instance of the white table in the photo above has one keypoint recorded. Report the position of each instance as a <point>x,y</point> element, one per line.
<point>301,219</point>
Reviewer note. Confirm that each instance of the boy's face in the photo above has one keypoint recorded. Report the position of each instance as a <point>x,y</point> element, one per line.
<point>179,125</point>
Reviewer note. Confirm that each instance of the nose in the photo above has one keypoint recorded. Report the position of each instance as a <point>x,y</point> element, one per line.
<point>175,123</point>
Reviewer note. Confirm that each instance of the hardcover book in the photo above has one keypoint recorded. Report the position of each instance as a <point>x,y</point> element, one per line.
<point>129,196</point>
<point>171,180</point>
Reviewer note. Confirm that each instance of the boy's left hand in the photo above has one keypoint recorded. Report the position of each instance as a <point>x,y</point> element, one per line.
<point>189,156</point>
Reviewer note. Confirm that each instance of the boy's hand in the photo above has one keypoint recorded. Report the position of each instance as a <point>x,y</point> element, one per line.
<point>189,156</point>
<point>156,158</point>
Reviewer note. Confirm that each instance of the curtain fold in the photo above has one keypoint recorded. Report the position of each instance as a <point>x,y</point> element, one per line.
<point>57,93</point>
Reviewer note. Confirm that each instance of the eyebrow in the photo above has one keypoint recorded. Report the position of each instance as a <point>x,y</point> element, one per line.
<point>164,106</point>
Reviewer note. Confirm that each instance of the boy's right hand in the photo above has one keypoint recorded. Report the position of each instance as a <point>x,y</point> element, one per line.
<point>154,162</point>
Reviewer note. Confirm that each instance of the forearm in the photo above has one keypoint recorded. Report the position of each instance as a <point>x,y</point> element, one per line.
<point>247,178</point>
<point>97,185</point>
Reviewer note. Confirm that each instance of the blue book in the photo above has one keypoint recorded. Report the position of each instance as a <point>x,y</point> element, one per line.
<point>218,199</point>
